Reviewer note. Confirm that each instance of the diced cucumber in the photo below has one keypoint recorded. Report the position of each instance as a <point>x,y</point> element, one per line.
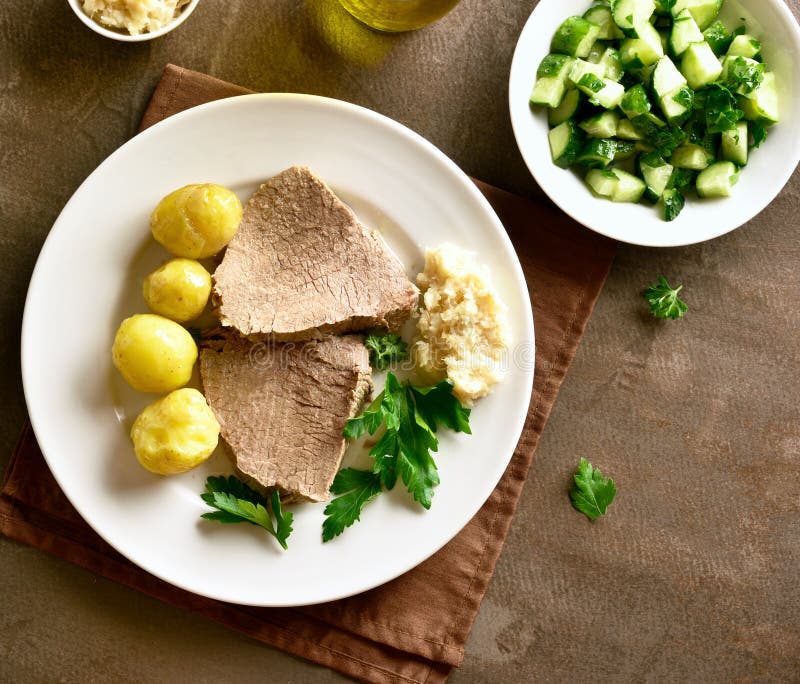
<point>551,80</point>
<point>744,46</point>
<point>691,156</point>
<point>610,95</point>
<point>628,13</point>
<point>595,53</point>
<point>580,68</point>
<point>630,188</point>
<point>616,185</point>
<point>703,11</point>
<point>590,79</point>
<point>626,130</point>
<point>762,103</point>
<point>717,180</point>
<point>741,74</point>
<point>575,37</point>
<point>597,154</point>
<point>644,50</point>
<point>734,146</point>
<point>566,142</point>
<point>623,150</point>
<point>602,125</point>
<point>718,37</point>
<point>604,183</point>
<point>671,139</point>
<point>635,102</point>
<point>677,105</point>
<point>700,65</point>
<point>611,61</point>
<point>666,78</point>
<point>685,31</point>
<point>656,173</point>
<point>601,16</point>
<point>566,110</point>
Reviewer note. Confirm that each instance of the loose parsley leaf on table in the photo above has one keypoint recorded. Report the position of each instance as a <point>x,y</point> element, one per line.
<point>384,350</point>
<point>592,493</point>
<point>411,417</point>
<point>664,301</point>
<point>236,502</point>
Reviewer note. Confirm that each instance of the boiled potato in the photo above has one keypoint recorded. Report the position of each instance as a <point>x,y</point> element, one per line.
<point>178,290</point>
<point>196,221</point>
<point>175,433</point>
<point>153,353</point>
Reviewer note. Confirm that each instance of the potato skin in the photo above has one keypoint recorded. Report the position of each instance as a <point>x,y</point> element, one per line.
<point>196,221</point>
<point>178,290</point>
<point>175,433</point>
<point>153,353</point>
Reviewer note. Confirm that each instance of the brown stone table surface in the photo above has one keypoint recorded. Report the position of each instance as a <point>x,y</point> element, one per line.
<point>654,404</point>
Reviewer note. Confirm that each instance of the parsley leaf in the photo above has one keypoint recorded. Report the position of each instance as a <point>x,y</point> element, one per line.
<point>384,350</point>
<point>720,105</point>
<point>236,502</point>
<point>684,97</point>
<point>681,178</point>
<point>664,138</point>
<point>592,493</point>
<point>744,77</point>
<point>759,131</point>
<point>436,408</point>
<point>674,201</point>
<point>357,488</point>
<point>411,417</point>
<point>664,301</point>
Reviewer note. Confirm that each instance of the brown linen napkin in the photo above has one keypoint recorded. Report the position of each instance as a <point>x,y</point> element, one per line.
<point>414,628</point>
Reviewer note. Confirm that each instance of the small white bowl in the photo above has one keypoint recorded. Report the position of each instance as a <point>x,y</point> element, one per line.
<point>768,170</point>
<point>126,37</point>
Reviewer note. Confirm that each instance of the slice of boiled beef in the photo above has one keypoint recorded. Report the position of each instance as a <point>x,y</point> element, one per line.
<point>302,266</point>
<point>282,407</point>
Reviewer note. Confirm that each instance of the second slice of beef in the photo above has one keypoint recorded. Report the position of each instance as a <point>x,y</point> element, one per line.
<point>282,408</point>
<point>302,266</point>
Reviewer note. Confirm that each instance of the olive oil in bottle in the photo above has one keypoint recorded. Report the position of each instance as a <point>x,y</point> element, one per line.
<point>398,15</point>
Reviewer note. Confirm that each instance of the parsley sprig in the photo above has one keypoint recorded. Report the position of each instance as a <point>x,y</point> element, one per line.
<point>411,417</point>
<point>664,301</point>
<point>592,493</point>
<point>236,502</point>
<point>384,350</point>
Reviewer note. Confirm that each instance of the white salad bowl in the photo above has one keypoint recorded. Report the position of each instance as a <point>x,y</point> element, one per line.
<point>126,37</point>
<point>769,168</point>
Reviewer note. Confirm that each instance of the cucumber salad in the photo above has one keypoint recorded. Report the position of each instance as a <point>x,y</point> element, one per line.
<point>655,99</point>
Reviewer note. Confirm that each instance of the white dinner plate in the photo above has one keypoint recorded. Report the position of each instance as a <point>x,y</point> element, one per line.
<point>89,276</point>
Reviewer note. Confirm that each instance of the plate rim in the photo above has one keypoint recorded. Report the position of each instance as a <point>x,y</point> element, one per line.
<point>27,346</point>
